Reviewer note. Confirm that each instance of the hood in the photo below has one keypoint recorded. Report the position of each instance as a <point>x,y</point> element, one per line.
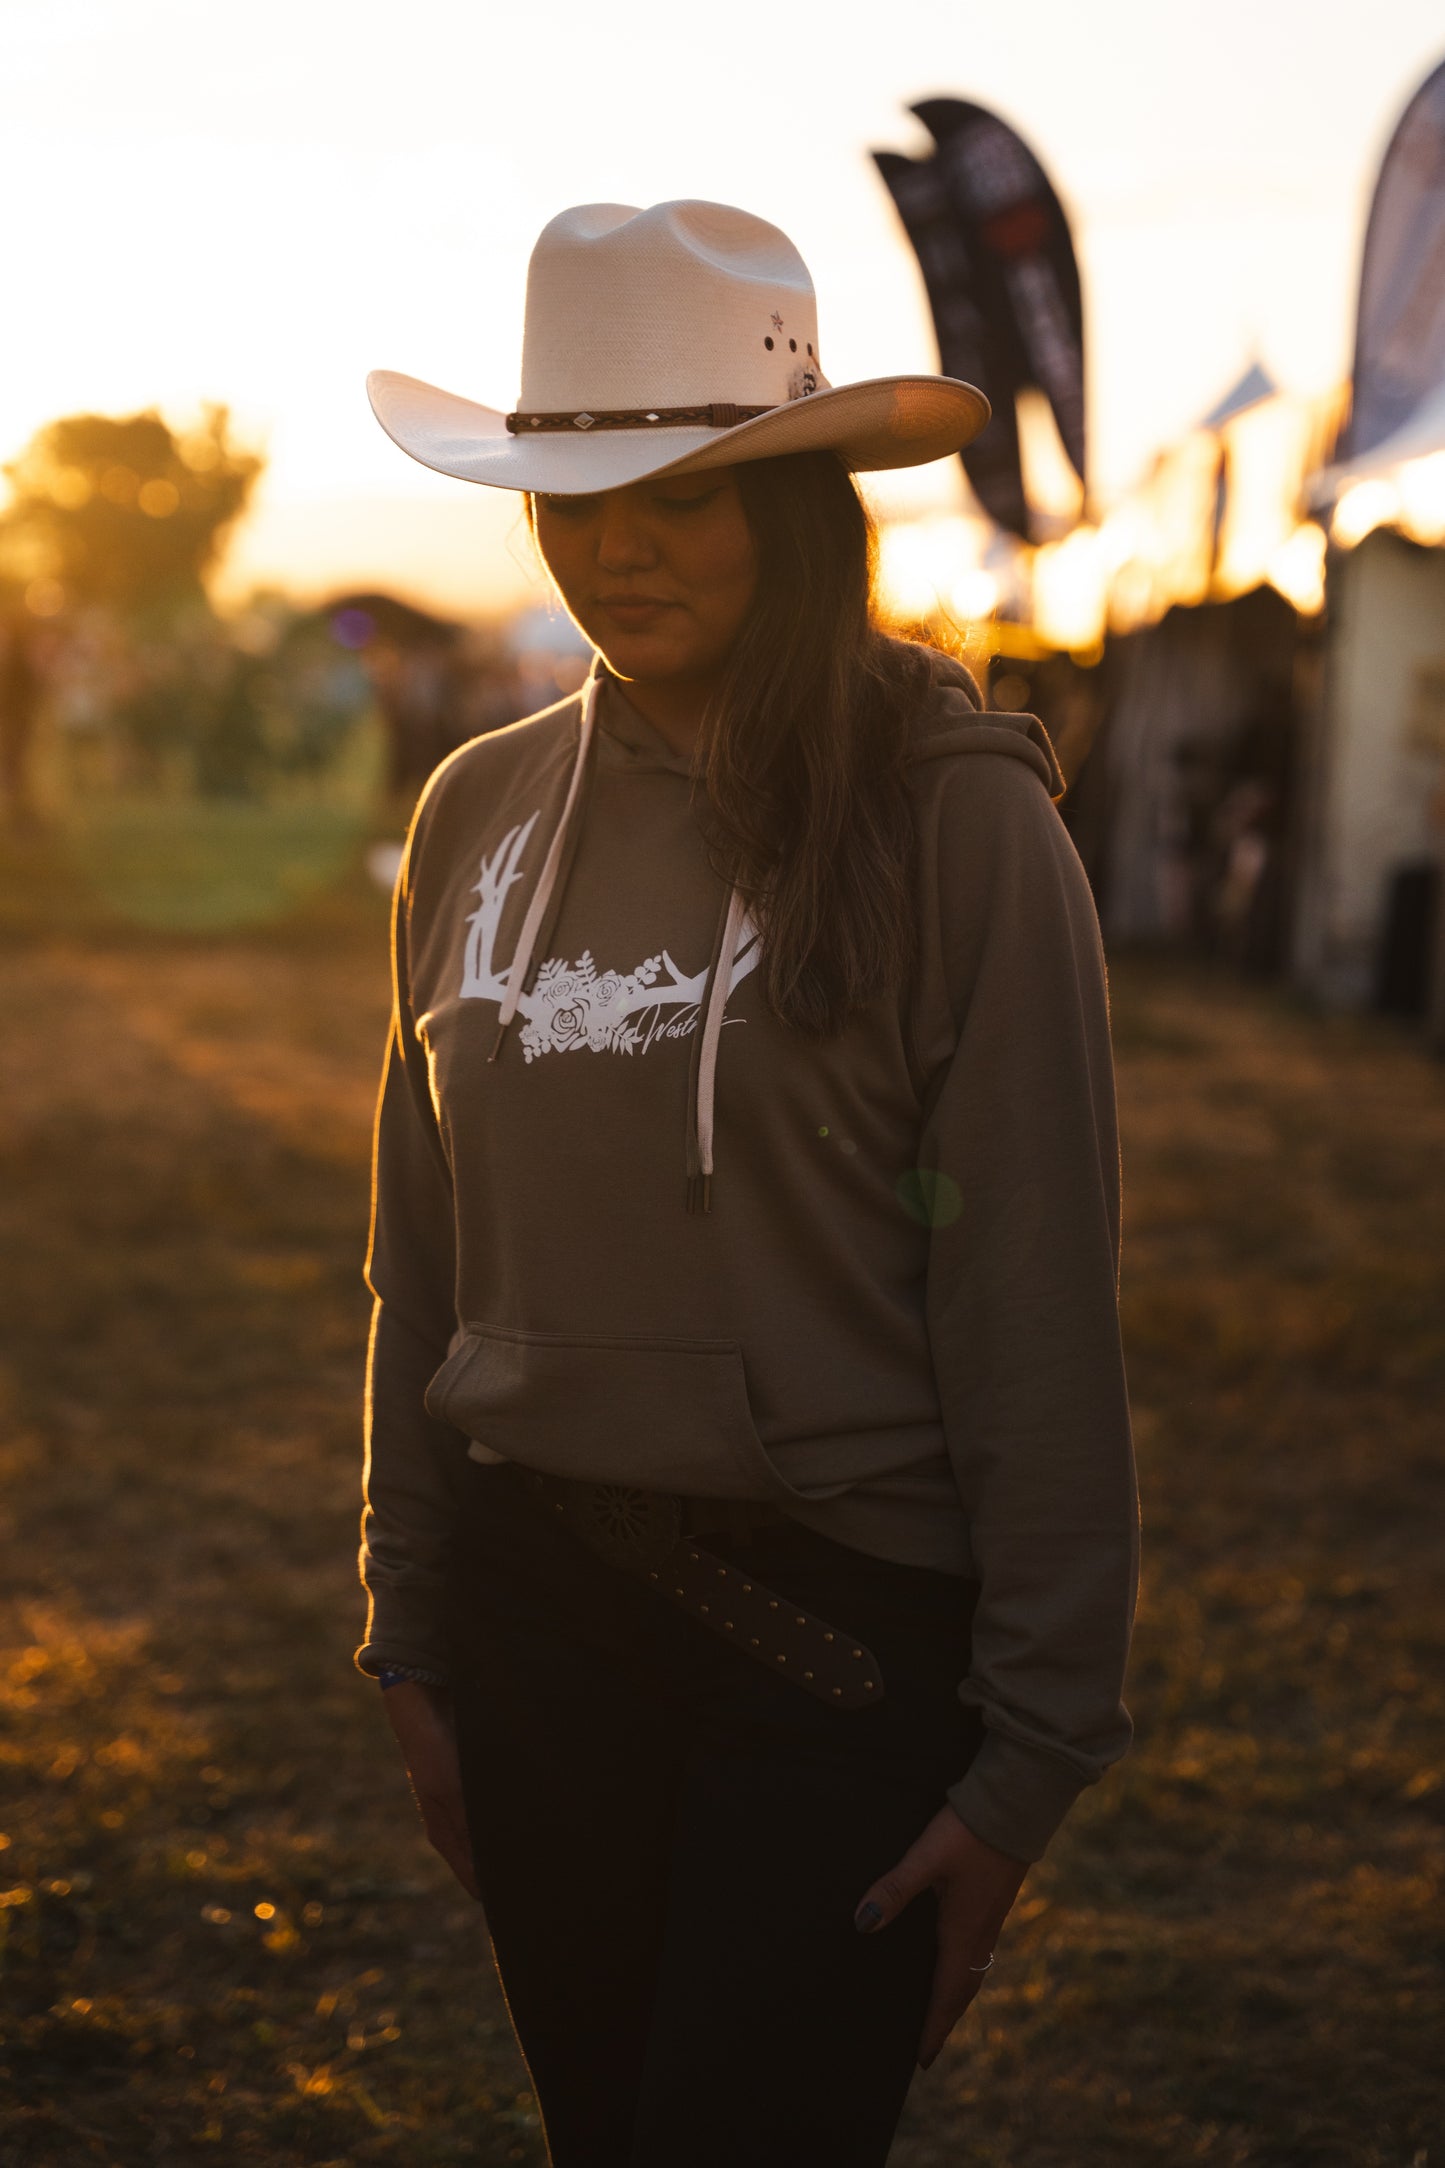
<point>950,723</point>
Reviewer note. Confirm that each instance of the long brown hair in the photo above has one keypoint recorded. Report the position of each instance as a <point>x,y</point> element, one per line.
<point>804,754</point>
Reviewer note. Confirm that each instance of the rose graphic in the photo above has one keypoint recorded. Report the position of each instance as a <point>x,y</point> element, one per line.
<point>567,1026</point>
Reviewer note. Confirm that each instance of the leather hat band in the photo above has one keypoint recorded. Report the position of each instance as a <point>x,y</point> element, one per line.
<point>685,417</point>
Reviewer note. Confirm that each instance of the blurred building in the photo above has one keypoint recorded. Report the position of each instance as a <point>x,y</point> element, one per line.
<point>1171,646</point>
<point>1371,921</point>
<point>1371,924</point>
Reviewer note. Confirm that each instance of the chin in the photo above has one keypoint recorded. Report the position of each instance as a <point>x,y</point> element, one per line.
<point>644,656</point>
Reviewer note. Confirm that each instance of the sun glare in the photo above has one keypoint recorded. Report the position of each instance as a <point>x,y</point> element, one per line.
<point>1422,498</point>
<point>1362,508</point>
<point>931,567</point>
<point>1071,591</point>
<point>1297,569</point>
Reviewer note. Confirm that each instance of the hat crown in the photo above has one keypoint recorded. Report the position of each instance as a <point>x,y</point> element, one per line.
<point>682,304</point>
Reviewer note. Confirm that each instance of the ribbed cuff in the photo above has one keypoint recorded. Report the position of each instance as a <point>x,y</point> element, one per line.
<point>374,1657</point>
<point>1014,1796</point>
<point>405,1627</point>
<point>391,1674</point>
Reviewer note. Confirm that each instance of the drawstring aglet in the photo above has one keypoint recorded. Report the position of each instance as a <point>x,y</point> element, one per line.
<point>699,1193</point>
<point>497,1042</point>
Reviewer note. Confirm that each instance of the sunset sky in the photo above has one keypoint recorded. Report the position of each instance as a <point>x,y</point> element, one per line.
<point>258,204</point>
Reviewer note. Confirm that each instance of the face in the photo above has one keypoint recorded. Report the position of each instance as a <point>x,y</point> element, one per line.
<point>660,576</point>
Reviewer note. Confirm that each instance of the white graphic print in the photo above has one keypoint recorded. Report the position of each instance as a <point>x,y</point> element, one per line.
<point>576,1005</point>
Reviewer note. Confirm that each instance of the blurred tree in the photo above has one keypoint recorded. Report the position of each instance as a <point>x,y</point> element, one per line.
<point>20,687</point>
<point>122,511</point>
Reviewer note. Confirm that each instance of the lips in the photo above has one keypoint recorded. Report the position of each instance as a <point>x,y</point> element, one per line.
<point>633,610</point>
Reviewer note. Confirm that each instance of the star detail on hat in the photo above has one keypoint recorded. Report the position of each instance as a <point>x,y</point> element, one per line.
<point>777,321</point>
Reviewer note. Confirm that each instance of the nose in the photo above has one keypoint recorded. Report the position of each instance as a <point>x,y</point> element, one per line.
<point>624,539</point>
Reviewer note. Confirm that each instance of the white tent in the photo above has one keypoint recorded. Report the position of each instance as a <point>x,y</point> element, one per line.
<point>1375,800</point>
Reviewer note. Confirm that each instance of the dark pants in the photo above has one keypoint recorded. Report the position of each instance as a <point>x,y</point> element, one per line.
<point>671,1842</point>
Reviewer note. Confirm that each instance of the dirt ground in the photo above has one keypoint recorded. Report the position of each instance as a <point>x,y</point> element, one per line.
<point>223,1939</point>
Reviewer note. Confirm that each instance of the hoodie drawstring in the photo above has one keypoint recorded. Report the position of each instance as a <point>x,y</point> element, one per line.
<point>704,1082</point>
<point>702,1086</point>
<point>547,879</point>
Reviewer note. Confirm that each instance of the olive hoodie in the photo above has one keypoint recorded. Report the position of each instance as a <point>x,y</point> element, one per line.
<point>628,1225</point>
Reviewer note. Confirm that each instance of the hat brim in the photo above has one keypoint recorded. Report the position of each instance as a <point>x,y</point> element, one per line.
<point>891,421</point>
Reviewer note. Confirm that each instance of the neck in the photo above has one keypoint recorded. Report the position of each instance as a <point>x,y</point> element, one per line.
<point>674,706</point>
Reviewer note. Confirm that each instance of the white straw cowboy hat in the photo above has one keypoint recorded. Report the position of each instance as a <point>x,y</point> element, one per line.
<point>661,342</point>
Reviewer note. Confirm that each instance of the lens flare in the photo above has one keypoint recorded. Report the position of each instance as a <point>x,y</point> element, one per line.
<point>931,1198</point>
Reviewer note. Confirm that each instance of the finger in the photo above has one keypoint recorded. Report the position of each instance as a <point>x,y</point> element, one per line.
<point>965,1955</point>
<point>954,1989</point>
<point>455,1848</point>
<point>884,1899</point>
<point>447,1833</point>
<point>460,1863</point>
<point>460,1860</point>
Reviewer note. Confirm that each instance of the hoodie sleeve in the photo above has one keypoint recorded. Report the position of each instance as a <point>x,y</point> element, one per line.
<point>1021,1174</point>
<point>410,1270</point>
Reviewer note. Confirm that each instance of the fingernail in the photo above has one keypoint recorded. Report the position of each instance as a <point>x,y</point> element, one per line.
<point>866,1918</point>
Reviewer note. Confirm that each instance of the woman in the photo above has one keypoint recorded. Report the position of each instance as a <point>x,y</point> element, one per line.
<point>750,1521</point>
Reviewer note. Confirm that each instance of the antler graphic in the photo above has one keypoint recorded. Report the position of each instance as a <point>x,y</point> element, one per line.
<point>555,1005</point>
<point>682,988</point>
<point>480,979</point>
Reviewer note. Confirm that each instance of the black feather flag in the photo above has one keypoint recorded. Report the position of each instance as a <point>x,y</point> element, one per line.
<point>993,244</point>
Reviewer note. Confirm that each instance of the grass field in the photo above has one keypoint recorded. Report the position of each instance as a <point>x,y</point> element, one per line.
<point>224,1940</point>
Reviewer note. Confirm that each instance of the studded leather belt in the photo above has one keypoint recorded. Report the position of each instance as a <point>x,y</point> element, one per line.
<point>648,1534</point>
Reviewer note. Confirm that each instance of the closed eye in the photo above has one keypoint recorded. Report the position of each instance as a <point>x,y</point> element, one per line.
<point>687,504</point>
<point>568,507</point>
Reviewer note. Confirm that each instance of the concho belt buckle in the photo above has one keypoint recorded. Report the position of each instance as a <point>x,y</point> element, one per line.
<point>626,1527</point>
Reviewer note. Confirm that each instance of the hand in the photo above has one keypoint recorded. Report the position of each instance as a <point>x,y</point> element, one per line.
<point>421,1717</point>
<point>975,1887</point>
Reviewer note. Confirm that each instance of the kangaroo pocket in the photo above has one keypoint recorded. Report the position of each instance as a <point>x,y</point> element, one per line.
<point>665,1414</point>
